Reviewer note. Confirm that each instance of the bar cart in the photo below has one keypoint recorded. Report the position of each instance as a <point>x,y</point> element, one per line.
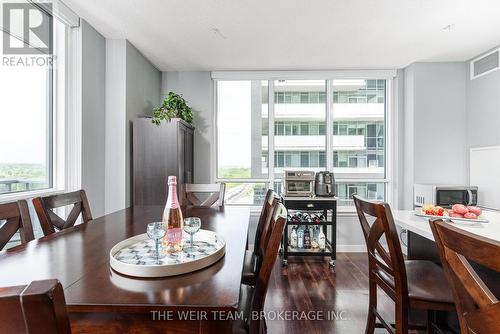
<point>327,206</point>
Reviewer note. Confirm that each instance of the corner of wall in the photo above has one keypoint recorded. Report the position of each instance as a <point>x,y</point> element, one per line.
<point>115,133</point>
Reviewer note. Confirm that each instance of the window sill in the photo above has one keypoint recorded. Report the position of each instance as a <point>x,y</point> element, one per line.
<point>347,213</point>
<point>256,208</point>
<point>12,197</point>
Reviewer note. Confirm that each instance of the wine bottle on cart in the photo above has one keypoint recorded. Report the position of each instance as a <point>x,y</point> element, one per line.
<point>307,238</point>
<point>172,217</point>
<point>321,239</point>
<point>293,238</point>
<point>300,237</point>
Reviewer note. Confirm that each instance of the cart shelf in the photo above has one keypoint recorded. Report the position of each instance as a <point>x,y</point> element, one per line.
<point>328,206</point>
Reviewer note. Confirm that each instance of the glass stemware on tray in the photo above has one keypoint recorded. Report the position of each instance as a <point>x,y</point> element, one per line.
<point>191,226</point>
<point>157,231</point>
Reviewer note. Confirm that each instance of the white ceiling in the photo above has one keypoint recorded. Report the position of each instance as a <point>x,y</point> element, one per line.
<point>297,34</point>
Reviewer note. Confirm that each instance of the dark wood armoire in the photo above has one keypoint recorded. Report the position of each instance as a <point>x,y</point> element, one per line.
<point>159,151</point>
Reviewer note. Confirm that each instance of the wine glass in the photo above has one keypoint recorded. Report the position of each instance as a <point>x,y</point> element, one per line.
<point>191,226</point>
<point>156,231</point>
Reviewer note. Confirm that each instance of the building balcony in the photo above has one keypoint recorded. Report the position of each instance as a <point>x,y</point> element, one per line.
<point>315,143</point>
<point>315,112</point>
<point>358,173</point>
<point>16,185</point>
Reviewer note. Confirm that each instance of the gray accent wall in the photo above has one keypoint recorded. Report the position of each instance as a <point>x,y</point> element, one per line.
<point>197,88</point>
<point>434,126</point>
<point>93,117</point>
<point>483,110</point>
<point>142,95</point>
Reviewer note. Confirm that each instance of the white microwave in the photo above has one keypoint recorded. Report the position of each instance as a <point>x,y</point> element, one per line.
<point>444,196</point>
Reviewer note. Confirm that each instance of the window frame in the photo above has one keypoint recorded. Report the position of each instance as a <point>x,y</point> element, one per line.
<point>65,113</point>
<point>329,76</point>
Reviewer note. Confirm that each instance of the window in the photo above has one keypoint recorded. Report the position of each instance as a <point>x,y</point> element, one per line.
<point>305,116</point>
<point>36,91</point>
<point>30,84</point>
<point>241,137</point>
<point>356,111</point>
<point>368,190</point>
<point>359,114</point>
<point>245,193</point>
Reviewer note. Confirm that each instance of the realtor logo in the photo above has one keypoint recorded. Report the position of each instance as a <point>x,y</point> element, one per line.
<point>27,29</point>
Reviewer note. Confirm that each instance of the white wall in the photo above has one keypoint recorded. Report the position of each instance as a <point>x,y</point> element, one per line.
<point>197,88</point>
<point>115,184</point>
<point>93,117</point>
<point>434,125</point>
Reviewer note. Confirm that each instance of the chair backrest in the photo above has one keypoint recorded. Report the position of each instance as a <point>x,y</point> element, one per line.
<point>215,191</point>
<point>36,308</point>
<point>17,218</point>
<point>264,219</point>
<point>380,261</point>
<point>261,248</point>
<point>278,222</point>
<point>51,222</point>
<point>456,248</point>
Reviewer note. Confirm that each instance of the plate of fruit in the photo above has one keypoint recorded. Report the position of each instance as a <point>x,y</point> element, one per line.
<point>457,212</point>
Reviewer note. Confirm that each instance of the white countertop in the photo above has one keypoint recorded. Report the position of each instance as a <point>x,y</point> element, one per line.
<point>420,225</point>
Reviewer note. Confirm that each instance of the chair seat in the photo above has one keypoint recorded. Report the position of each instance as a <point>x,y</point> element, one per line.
<point>426,283</point>
<point>484,321</point>
<point>240,326</point>
<point>249,275</point>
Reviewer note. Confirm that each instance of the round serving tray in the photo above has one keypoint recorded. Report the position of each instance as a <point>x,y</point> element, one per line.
<point>134,256</point>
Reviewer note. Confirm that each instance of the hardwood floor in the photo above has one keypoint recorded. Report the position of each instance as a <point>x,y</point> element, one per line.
<point>307,284</point>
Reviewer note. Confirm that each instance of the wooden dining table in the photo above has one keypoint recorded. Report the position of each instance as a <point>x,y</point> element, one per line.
<point>100,300</point>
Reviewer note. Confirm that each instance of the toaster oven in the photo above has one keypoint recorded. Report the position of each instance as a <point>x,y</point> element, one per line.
<point>299,183</point>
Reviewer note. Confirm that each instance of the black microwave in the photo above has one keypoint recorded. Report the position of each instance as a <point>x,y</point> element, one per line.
<point>444,196</point>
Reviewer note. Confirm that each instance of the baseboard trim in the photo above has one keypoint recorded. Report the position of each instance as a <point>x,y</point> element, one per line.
<point>351,248</point>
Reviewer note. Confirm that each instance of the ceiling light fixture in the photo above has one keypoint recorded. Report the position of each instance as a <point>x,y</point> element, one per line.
<point>448,27</point>
<point>217,32</point>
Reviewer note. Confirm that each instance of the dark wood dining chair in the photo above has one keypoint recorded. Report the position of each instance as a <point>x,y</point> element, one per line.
<point>215,194</point>
<point>17,218</point>
<point>39,307</point>
<point>253,259</point>
<point>477,307</point>
<point>266,208</point>
<point>252,299</point>
<point>411,284</point>
<point>50,221</point>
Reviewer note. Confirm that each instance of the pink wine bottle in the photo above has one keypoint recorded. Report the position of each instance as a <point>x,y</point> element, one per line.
<point>172,217</point>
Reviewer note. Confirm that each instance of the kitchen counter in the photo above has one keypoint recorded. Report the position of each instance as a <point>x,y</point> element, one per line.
<point>406,219</point>
<point>421,246</point>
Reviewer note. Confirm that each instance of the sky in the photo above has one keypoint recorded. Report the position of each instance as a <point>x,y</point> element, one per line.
<point>233,119</point>
<point>23,123</point>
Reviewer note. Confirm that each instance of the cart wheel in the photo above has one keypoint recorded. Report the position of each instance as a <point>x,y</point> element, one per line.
<point>284,262</point>
<point>331,264</point>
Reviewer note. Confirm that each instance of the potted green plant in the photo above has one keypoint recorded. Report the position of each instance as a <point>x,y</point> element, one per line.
<point>173,106</point>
